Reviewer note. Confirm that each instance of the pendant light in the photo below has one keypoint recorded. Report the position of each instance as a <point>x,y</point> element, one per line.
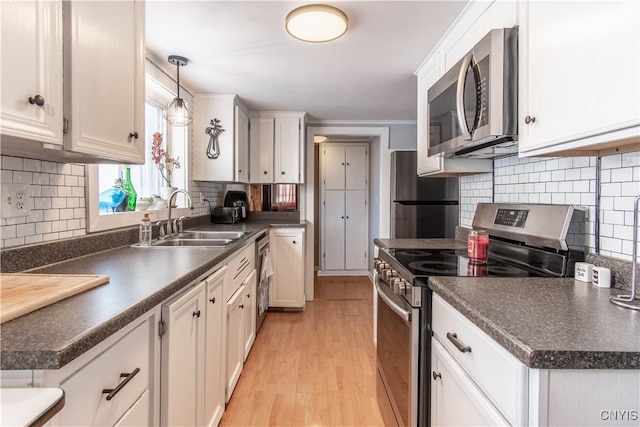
<point>177,113</point>
<point>316,23</point>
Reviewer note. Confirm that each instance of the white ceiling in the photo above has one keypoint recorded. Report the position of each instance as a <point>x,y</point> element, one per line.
<point>241,47</point>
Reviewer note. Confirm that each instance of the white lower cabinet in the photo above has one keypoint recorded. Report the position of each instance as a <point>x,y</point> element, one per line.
<point>182,374</point>
<point>215,349</point>
<point>250,312</point>
<point>287,258</point>
<point>110,384</point>
<point>475,381</point>
<point>455,398</point>
<point>235,340</point>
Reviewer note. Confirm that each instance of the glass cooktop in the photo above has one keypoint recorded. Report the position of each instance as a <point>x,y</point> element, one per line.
<point>448,262</point>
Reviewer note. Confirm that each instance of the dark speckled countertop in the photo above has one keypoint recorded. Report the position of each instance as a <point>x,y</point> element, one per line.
<point>548,323</point>
<point>420,243</point>
<point>139,280</point>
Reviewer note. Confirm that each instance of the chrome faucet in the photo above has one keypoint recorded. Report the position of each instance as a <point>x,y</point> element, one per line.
<point>170,228</point>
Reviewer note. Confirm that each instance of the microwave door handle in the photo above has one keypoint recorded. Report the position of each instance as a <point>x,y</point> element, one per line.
<point>462,122</point>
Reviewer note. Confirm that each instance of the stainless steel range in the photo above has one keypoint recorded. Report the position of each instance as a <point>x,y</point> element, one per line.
<point>524,241</point>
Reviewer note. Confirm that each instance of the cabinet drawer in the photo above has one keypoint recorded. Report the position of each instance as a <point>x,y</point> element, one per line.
<point>502,377</point>
<point>86,404</point>
<point>239,268</point>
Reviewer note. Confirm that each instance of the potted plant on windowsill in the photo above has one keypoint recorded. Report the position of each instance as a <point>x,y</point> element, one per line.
<point>165,164</point>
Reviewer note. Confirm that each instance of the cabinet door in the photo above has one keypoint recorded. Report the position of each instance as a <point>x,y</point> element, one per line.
<point>287,150</point>
<point>249,312</point>
<point>31,37</point>
<point>182,374</point>
<point>287,252</point>
<point>242,145</point>
<point>578,76</point>
<point>333,165</point>
<point>334,225</point>
<point>104,79</point>
<point>356,246</point>
<point>235,340</point>
<point>355,167</point>
<point>215,349</point>
<point>455,399</point>
<point>261,132</point>
<point>138,414</point>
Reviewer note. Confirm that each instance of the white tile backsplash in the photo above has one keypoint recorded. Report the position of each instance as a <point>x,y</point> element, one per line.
<point>570,180</point>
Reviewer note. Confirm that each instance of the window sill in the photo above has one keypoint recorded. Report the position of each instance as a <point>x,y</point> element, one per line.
<point>124,219</point>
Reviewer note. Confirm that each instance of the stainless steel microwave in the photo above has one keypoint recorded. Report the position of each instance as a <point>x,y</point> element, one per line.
<point>473,109</point>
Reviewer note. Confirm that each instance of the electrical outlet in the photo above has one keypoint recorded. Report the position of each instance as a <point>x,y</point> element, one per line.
<point>15,200</point>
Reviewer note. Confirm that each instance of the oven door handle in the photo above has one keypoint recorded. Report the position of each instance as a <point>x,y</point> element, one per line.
<point>406,315</point>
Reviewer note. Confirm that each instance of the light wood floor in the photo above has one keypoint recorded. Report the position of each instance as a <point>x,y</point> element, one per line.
<point>312,368</point>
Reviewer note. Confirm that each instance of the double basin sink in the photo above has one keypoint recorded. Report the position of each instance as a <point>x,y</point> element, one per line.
<point>206,239</point>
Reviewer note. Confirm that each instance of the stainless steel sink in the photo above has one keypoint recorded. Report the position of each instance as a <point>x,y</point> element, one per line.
<point>203,243</point>
<point>227,235</point>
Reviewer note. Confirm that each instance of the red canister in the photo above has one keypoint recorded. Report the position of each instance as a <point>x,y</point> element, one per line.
<point>478,246</point>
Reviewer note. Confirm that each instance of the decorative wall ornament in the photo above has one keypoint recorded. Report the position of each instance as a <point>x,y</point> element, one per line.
<point>213,149</point>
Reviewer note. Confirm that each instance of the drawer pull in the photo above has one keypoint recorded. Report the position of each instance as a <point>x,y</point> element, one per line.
<point>436,375</point>
<point>111,392</point>
<point>453,337</point>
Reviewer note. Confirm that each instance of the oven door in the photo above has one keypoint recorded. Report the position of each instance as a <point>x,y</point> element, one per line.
<point>397,352</point>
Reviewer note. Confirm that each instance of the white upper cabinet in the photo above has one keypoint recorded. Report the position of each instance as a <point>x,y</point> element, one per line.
<point>104,79</point>
<point>289,143</point>
<point>231,165</point>
<point>98,51</point>
<point>475,21</point>
<point>261,131</point>
<point>31,72</point>
<point>277,147</point>
<point>579,76</point>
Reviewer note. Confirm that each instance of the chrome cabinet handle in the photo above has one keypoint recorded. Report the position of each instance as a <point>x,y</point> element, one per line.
<point>466,62</point>
<point>453,337</point>
<point>529,119</point>
<point>436,375</point>
<point>133,135</point>
<point>111,392</point>
<point>36,100</point>
<point>196,313</point>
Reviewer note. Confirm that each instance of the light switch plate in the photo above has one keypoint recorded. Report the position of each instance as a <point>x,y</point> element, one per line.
<point>15,200</point>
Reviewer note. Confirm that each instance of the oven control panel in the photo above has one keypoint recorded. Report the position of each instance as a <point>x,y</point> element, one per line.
<point>511,217</point>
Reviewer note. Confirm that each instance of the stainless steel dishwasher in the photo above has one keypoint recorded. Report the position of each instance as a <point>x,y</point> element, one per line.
<point>265,275</point>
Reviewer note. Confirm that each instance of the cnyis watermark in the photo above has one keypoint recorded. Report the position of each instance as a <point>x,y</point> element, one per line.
<point>619,415</point>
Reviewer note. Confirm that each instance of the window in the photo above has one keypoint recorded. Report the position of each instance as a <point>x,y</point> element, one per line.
<point>146,179</point>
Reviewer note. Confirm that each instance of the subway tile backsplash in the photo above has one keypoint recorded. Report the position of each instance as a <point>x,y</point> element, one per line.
<point>568,180</point>
<point>57,201</point>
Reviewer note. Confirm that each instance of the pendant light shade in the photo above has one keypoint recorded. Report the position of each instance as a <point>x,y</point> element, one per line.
<point>177,113</point>
<point>316,23</point>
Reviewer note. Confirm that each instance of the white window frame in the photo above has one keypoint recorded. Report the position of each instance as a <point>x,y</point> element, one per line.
<point>160,95</point>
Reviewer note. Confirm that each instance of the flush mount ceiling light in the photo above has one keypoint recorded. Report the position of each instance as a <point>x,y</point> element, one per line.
<point>316,23</point>
<point>319,138</point>
<point>177,113</point>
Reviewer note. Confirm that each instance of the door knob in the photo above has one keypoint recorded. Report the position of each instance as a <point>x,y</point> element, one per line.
<point>529,119</point>
<point>37,100</point>
<point>212,300</point>
<point>133,135</point>
<point>196,313</point>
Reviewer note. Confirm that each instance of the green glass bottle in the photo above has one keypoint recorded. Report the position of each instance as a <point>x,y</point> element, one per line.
<point>132,196</point>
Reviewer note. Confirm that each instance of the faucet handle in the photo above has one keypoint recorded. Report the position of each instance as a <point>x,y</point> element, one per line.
<point>161,232</point>
<point>180,224</point>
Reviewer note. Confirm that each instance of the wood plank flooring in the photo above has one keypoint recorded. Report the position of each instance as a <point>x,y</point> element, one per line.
<point>312,368</point>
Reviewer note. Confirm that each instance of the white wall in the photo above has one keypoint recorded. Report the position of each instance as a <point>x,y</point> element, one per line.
<point>569,180</point>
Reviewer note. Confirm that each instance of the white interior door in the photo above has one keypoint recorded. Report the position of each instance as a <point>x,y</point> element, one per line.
<point>355,167</point>
<point>356,244</point>
<point>333,162</point>
<point>334,229</point>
